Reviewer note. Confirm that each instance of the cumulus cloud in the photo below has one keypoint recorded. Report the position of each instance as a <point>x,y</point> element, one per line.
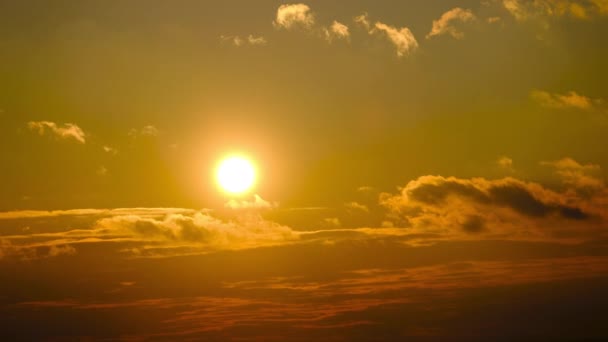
<point>564,101</point>
<point>250,40</point>
<point>446,24</point>
<point>66,131</point>
<point>337,30</point>
<point>290,16</point>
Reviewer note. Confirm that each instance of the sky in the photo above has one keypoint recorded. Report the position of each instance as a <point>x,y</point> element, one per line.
<point>426,170</point>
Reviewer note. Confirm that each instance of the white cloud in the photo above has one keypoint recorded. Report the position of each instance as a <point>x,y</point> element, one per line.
<point>290,16</point>
<point>445,24</point>
<point>337,30</point>
<point>363,20</point>
<point>67,131</point>
<point>403,39</point>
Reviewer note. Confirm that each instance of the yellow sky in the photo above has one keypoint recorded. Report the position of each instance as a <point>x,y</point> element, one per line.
<point>410,170</point>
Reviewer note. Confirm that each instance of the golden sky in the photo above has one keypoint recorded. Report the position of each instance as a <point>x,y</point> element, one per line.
<point>419,170</point>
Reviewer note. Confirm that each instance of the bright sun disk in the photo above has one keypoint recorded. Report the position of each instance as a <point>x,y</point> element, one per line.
<point>236,175</point>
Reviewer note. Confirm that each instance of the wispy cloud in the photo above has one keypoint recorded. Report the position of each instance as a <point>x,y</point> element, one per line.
<point>537,9</point>
<point>505,163</point>
<point>447,23</point>
<point>249,40</point>
<point>562,101</point>
<point>146,131</point>
<point>257,203</point>
<point>402,38</point>
<point>67,131</point>
<point>580,176</point>
<point>110,150</point>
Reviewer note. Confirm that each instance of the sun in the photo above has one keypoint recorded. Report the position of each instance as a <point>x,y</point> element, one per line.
<point>236,175</point>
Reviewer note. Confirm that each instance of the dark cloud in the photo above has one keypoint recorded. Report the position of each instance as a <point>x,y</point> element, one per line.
<point>474,224</point>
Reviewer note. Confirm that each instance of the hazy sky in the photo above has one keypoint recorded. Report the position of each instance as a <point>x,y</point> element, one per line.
<point>429,169</point>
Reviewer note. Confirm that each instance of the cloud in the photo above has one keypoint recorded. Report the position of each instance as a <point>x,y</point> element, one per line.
<point>403,39</point>
<point>581,176</point>
<point>564,101</point>
<point>102,171</point>
<point>523,10</point>
<point>9,250</point>
<point>445,24</point>
<point>257,203</point>
<point>493,20</point>
<point>290,16</point>
<point>332,222</point>
<point>601,5</point>
<point>57,250</point>
<point>110,150</point>
<point>143,212</point>
<point>505,162</point>
<point>356,206</point>
<point>337,30</point>
<point>508,207</point>
<point>365,189</point>
<point>363,20</point>
<point>197,233</point>
<point>149,232</point>
<point>146,131</point>
<point>67,131</point>
<point>242,41</point>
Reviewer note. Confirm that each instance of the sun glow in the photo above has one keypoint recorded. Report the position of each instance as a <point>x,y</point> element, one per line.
<point>236,175</point>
